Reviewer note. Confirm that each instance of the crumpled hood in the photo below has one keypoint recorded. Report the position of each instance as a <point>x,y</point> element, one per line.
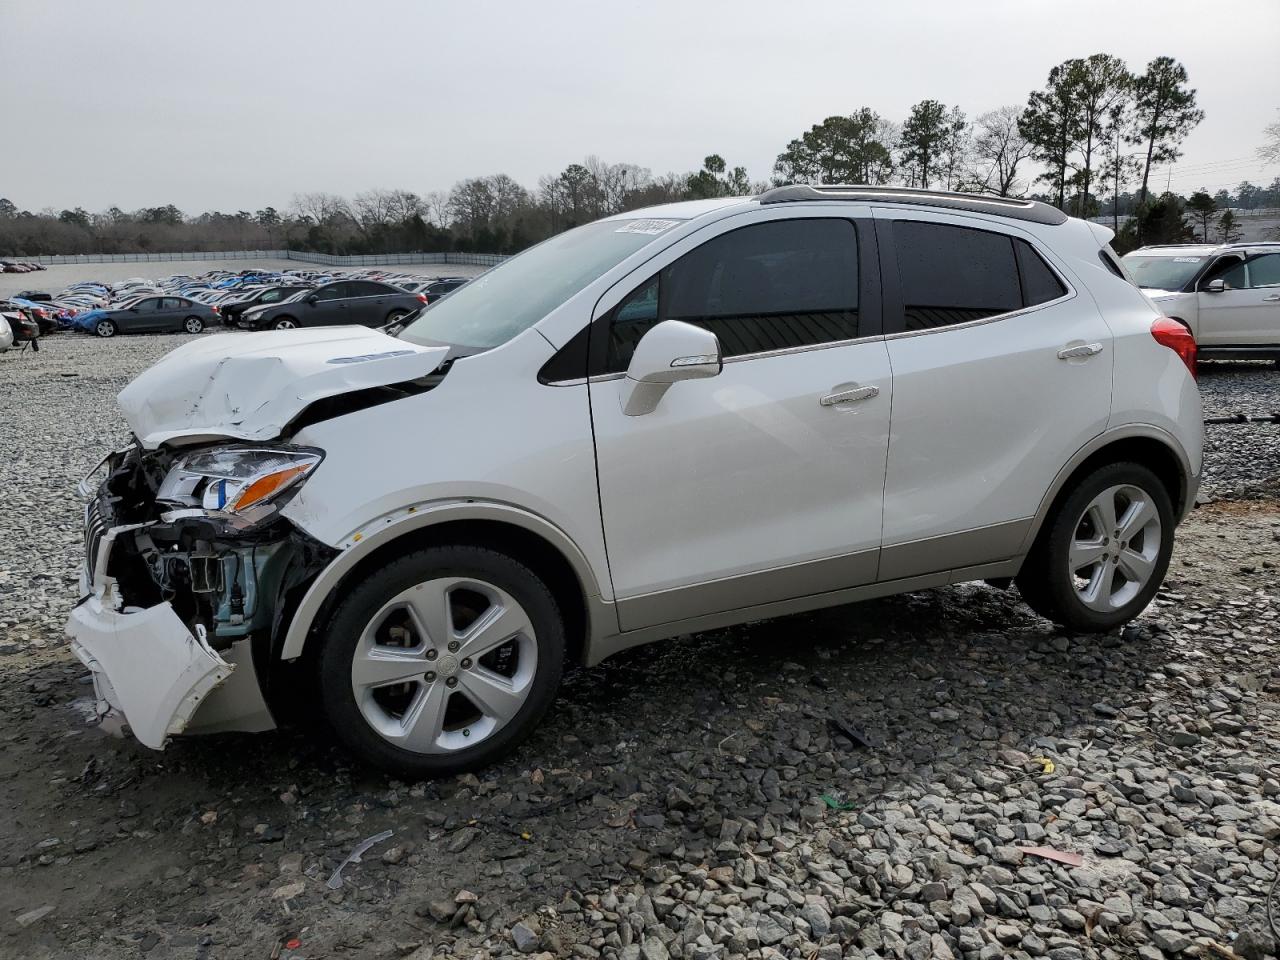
<point>250,386</point>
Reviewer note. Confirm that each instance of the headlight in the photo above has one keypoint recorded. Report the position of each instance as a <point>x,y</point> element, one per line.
<point>248,483</point>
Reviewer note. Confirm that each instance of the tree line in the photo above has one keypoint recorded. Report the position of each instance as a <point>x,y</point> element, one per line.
<point>1088,142</point>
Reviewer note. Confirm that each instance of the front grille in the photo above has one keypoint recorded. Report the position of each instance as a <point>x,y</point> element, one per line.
<point>95,527</point>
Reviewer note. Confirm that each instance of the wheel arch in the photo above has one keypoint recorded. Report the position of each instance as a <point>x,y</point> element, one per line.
<point>525,537</point>
<point>1146,445</point>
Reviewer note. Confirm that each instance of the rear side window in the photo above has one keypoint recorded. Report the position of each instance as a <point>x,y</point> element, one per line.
<point>769,286</point>
<point>1039,283</point>
<point>953,275</point>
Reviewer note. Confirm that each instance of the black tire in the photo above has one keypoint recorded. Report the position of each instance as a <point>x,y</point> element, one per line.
<point>105,328</point>
<point>285,323</point>
<point>395,316</point>
<point>1046,581</point>
<point>193,325</point>
<point>366,598</point>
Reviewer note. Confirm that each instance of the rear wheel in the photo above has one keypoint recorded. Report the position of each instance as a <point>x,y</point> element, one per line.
<point>285,323</point>
<point>441,661</point>
<point>395,316</point>
<point>1103,554</point>
<point>193,325</point>
<point>105,328</point>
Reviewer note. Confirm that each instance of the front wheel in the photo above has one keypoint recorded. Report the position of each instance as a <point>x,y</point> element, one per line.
<point>1104,551</point>
<point>441,661</point>
<point>193,325</point>
<point>285,323</point>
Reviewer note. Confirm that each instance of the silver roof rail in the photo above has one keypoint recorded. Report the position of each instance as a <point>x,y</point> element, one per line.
<point>1030,210</point>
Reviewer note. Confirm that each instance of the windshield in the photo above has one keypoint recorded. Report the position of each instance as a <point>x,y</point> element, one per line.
<point>519,292</point>
<point>1162,273</point>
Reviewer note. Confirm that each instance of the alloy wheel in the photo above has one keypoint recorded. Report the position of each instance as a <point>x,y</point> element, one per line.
<point>193,325</point>
<point>444,665</point>
<point>106,328</point>
<point>1115,547</point>
<point>285,325</point>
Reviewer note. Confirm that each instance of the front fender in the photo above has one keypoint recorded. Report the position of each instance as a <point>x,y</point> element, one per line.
<point>377,533</point>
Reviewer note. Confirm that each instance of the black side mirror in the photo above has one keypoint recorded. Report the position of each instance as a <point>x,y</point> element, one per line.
<point>313,299</point>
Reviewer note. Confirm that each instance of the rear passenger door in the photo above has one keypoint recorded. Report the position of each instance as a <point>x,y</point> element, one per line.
<point>1001,371</point>
<point>369,304</point>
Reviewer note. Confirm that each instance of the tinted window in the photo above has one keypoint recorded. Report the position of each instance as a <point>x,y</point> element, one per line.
<point>953,275</point>
<point>334,291</point>
<point>171,303</point>
<point>1039,283</point>
<point>1264,271</point>
<point>150,304</point>
<point>1231,271</point>
<point>364,288</point>
<point>771,286</point>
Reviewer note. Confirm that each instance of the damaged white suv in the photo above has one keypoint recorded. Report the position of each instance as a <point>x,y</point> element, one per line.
<point>663,422</point>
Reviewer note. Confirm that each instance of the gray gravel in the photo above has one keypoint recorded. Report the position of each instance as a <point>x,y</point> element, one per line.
<point>1241,460</point>
<point>697,799</point>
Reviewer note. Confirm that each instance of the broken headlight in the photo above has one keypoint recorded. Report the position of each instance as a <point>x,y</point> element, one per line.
<point>249,483</point>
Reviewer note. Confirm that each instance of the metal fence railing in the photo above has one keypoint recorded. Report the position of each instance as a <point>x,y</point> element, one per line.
<point>303,256</point>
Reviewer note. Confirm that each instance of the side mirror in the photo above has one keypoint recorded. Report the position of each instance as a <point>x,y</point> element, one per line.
<point>313,299</point>
<point>670,352</point>
<point>1216,286</point>
<point>133,309</point>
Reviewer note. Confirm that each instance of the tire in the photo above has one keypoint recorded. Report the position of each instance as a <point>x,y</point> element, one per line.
<point>285,323</point>
<point>421,727</point>
<point>395,316</point>
<point>105,328</point>
<point>193,325</point>
<point>1119,579</point>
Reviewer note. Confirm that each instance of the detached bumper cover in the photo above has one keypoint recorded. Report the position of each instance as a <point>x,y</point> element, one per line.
<point>148,669</point>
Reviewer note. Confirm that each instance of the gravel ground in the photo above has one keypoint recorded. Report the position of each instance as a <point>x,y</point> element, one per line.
<point>854,783</point>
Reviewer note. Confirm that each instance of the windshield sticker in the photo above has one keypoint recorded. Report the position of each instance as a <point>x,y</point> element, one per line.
<point>651,227</point>
<point>1186,259</point>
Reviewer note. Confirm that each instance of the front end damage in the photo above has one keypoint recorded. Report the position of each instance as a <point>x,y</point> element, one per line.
<point>182,605</point>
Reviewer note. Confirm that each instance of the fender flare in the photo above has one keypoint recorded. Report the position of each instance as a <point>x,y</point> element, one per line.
<point>1128,431</point>
<point>377,533</point>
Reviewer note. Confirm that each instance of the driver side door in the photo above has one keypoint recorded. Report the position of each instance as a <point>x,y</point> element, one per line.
<point>764,482</point>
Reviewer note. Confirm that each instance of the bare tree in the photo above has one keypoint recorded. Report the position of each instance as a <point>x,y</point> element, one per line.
<point>999,149</point>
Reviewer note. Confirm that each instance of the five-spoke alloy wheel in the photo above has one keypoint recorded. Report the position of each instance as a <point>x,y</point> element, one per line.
<point>442,660</point>
<point>1103,552</point>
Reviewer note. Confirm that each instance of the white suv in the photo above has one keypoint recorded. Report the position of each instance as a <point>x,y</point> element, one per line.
<point>1228,295</point>
<point>663,422</point>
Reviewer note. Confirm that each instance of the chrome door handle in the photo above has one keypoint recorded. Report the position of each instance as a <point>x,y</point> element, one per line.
<point>849,396</point>
<point>1271,299</point>
<point>1080,350</point>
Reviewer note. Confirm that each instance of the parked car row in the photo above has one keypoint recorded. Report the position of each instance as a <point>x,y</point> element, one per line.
<point>20,266</point>
<point>250,299</point>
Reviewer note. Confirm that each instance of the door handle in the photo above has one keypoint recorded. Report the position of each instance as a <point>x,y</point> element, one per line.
<point>1271,299</point>
<point>849,396</point>
<point>1079,350</point>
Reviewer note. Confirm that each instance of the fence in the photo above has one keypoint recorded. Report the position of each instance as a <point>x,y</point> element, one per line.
<point>385,259</point>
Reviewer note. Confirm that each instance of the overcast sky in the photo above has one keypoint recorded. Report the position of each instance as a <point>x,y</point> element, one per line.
<point>236,105</point>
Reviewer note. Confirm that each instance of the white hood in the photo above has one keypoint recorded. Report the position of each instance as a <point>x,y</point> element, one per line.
<point>250,386</point>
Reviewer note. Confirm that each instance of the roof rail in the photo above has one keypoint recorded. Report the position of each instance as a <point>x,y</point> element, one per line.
<point>1032,210</point>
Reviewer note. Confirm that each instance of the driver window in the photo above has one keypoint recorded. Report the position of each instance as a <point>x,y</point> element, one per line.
<point>1230,270</point>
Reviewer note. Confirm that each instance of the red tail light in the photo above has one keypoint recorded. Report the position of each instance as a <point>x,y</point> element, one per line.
<point>422,297</point>
<point>215,309</point>
<point>1172,334</point>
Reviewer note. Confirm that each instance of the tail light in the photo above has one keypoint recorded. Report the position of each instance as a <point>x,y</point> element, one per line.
<point>422,298</point>
<point>215,309</point>
<point>1172,334</point>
